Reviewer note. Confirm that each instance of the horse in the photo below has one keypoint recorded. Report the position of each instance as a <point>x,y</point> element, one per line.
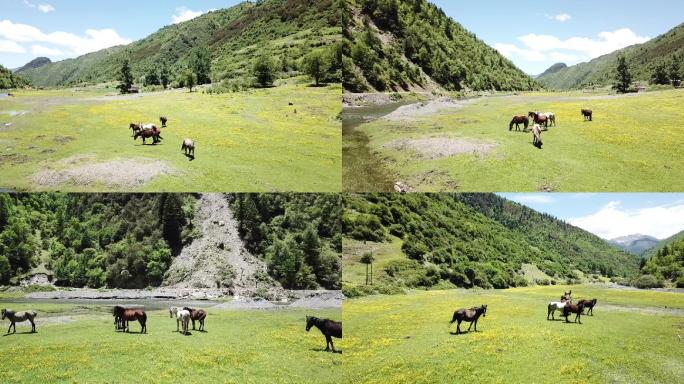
<point>589,305</point>
<point>128,314</point>
<point>536,136</point>
<point>197,315</point>
<point>154,133</point>
<point>328,328</point>
<point>588,114</point>
<point>573,308</point>
<point>135,127</point>
<point>188,147</point>
<point>554,306</point>
<point>470,315</point>
<point>182,318</point>
<point>550,116</point>
<point>517,120</point>
<point>539,119</point>
<point>163,121</point>
<point>19,317</point>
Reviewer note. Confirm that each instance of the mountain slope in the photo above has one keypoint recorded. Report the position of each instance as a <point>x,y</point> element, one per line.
<point>635,244</point>
<point>667,263</point>
<point>670,240</point>
<point>35,63</point>
<point>553,69</point>
<point>403,45</point>
<point>641,58</point>
<point>478,240</point>
<point>285,29</point>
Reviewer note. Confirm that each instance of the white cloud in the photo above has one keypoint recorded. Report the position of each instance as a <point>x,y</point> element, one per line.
<point>532,198</point>
<point>563,17</point>
<point>11,47</point>
<point>40,50</point>
<point>510,51</point>
<point>46,8</point>
<point>29,4</point>
<point>69,43</point>
<point>184,14</point>
<point>613,221</point>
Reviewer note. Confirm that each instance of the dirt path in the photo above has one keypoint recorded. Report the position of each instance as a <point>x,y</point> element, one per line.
<point>219,257</point>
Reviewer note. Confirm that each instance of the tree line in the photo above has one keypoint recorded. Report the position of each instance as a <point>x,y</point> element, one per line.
<point>9,80</point>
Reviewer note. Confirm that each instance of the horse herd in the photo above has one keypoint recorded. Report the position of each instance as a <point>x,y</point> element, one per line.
<point>123,315</point>
<point>565,306</point>
<point>147,131</point>
<point>540,120</point>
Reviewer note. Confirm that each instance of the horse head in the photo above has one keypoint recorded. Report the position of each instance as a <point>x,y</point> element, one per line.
<point>172,312</point>
<point>483,308</point>
<point>4,312</point>
<point>310,321</point>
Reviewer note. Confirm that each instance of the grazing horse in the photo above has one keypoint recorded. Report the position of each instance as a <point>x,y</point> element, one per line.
<point>539,119</point>
<point>328,328</point>
<point>573,308</point>
<point>588,114</point>
<point>589,305</point>
<point>536,136</point>
<point>197,315</point>
<point>470,315</point>
<point>551,117</point>
<point>135,127</point>
<point>554,306</point>
<point>182,318</point>
<point>163,121</point>
<point>517,120</point>
<point>188,147</point>
<point>154,133</point>
<point>130,314</point>
<point>19,317</point>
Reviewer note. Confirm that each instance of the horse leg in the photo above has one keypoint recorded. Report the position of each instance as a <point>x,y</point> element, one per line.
<point>328,343</point>
<point>475,325</point>
<point>470,326</point>
<point>10,327</point>
<point>193,324</point>
<point>33,326</point>
<point>458,327</point>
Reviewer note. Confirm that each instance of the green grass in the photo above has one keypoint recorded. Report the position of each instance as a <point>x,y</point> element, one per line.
<point>406,338</point>
<point>238,347</point>
<point>250,141</point>
<point>634,144</point>
<point>354,271</point>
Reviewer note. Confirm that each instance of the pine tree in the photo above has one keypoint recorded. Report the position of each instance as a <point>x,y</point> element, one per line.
<point>201,65</point>
<point>172,220</point>
<point>165,76</point>
<point>125,77</point>
<point>623,78</point>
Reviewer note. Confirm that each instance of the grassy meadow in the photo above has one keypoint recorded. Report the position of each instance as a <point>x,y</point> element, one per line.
<point>634,144</point>
<point>250,141</point>
<point>78,344</point>
<point>632,338</point>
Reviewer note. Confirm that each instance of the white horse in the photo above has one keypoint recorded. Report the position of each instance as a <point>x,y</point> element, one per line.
<point>536,132</point>
<point>558,305</point>
<point>147,126</point>
<point>182,318</point>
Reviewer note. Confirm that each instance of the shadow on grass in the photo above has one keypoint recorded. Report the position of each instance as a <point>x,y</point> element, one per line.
<point>20,333</point>
<point>190,157</point>
<point>324,350</point>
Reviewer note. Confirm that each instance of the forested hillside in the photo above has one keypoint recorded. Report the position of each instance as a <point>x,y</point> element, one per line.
<point>299,235</point>
<point>283,31</point>
<point>478,240</point>
<point>642,59</point>
<point>666,265</point>
<point>9,80</point>
<point>672,239</point>
<point>403,44</point>
<point>130,240</point>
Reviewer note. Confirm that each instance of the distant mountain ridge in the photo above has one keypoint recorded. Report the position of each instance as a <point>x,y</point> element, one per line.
<point>284,29</point>
<point>35,63</point>
<point>641,58</point>
<point>553,69</point>
<point>635,244</point>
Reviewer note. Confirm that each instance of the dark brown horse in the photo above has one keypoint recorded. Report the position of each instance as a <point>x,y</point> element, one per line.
<point>19,317</point>
<point>470,315</point>
<point>539,119</point>
<point>589,305</point>
<point>124,315</point>
<point>588,114</point>
<point>163,121</point>
<point>573,308</point>
<point>135,128</point>
<point>197,315</point>
<point>328,328</point>
<point>153,133</point>
<point>517,120</point>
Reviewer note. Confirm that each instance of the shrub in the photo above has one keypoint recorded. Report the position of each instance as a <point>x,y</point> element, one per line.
<point>647,281</point>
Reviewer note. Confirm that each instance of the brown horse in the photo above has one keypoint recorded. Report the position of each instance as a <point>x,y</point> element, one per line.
<point>517,120</point>
<point>124,315</point>
<point>328,328</point>
<point>197,314</point>
<point>588,114</point>
<point>539,119</point>
<point>573,308</point>
<point>589,305</point>
<point>19,317</point>
<point>153,133</point>
<point>470,315</point>
<point>135,128</point>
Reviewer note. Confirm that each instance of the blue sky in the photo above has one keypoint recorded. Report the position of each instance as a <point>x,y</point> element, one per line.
<point>535,34</point>
<point>610,215</point>
<point>62,29</point>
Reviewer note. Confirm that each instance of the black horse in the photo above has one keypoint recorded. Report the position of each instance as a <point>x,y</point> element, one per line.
<point>328,328</point>
<point>470,315</point>
<point>589,305</point>
<point>154,133</point>
<point>163,121</point>
<point>588,114</point>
